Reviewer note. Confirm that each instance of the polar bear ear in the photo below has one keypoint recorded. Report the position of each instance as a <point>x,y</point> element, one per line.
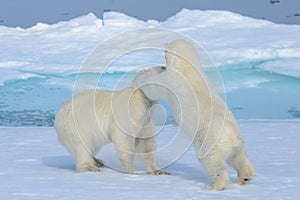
<point>169,47</point>
<point>172,59</point>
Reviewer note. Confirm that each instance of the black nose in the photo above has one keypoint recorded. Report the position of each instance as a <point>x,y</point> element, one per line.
<point>163,67</point>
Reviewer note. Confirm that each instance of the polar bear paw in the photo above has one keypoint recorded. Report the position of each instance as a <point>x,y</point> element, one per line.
<point>219,181</point>
<point>244,180</point>
<point>215,186</point>
<point>88,168</point>
<point>159,172</point>
<point>245,175</point>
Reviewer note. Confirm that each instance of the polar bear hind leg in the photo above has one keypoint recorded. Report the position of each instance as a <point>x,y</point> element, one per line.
<point>216,168</point>
<point>85,162</point>
<point>240,162</point>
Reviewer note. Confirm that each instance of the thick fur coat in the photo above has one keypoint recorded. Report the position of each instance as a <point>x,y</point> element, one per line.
<point>201,113</point>
<point>93,118</point>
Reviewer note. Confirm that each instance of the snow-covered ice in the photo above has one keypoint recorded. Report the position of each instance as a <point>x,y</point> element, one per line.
<point>258,61</point>
<point>254,57</point>
<point>35,166</point>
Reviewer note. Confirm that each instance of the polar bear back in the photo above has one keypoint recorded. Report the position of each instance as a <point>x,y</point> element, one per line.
<point>89,116</point>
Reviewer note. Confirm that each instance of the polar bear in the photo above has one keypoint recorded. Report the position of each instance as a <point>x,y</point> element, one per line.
<point>201,113</point>
<point>93,118</point>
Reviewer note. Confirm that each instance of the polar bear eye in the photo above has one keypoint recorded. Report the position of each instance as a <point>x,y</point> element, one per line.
<point>163,68</point>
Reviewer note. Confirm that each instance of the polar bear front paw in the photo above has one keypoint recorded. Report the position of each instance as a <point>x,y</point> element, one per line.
<point>159,172</point>
<point>245,176</point>
<point>243,181</point>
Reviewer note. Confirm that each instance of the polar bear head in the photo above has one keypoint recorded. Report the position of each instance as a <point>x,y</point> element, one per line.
<point>183,65</point>
<point>181,55</point>
<point>143,75</point>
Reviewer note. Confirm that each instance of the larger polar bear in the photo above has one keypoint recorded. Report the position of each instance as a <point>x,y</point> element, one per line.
<point>93,118</point>
<point>201,113</point>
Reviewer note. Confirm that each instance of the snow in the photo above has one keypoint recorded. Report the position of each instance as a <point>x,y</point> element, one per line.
<point>289,67</point>
<point>227,37</point>
<point>258,61</point>
<point>35,166</point>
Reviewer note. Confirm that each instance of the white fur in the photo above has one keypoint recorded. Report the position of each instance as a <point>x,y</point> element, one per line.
<point>93,118</point>
<point>201,113</point>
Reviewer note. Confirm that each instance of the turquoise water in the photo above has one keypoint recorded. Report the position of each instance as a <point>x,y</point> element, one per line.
<point>251,93</point>
<point>257,93</point>
<point>34,101</point>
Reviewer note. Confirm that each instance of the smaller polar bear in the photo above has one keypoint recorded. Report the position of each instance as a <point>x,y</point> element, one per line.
<point>93,118</point>
<point>201,113</point>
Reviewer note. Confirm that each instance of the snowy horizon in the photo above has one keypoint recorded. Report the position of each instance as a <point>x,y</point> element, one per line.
<point>14,13</point>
